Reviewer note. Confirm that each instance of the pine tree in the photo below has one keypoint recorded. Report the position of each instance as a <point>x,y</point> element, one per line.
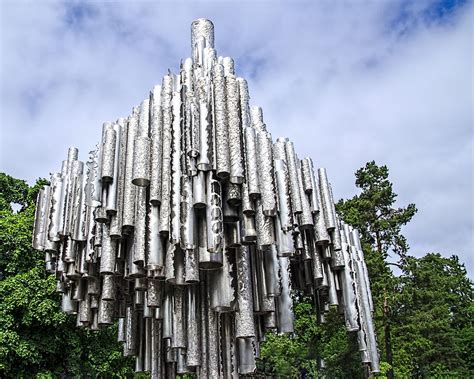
<point>373,212</point>
<point>434,315</point>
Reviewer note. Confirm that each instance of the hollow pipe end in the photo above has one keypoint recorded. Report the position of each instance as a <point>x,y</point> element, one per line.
<point>141,182</point>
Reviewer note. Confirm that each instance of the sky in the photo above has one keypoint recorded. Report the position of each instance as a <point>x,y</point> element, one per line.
<point>348,82</point>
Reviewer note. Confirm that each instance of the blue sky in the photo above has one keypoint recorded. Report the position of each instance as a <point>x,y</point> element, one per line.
<point>348,82</point>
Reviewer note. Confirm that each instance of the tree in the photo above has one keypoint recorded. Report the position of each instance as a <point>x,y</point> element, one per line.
<point>380,223</point>
<point>286,356</point>
<point>36,337</point>
<point>373,212</point>
<point>433,318</point>
<point>297,356</point>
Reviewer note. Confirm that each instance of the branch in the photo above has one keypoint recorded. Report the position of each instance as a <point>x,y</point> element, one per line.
<point>395,264</point>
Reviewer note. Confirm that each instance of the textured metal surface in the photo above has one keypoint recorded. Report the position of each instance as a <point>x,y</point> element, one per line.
<point>284,239</point>
<point>154,248</point>
<point>186,222</point>
<point>108,287</point>
<point>140,227</point>
<point>202,28</point>
<point>141,161</point>
<point>107,257</point>
<point>272,271</point>
<point>234,129</point>
<point>306,169</point>
<point>191,265</point>
<point>205,158</point>
<point>156,147</point>
<point>128,216</point>
<point>293,176</point>
<point>256,117</point>
<point>348,291</point>
<point>108,153</point>
<point>283,195</point>
<point>214,216</point>
<point>188,116</point>
<point>193,327</point>
<point>244,322</point>
<point>264,226</point>
<point>175,217</point>
<point>326,199</point>
<point>55,210</point>
<point>234,194</point>
<point>285,303</point>
<point>165,210</point>
<point>251,160</point>
<point>231,199</point>
<point>246,348</point>
<point>306,216</point>
<point>266,173</point>
<point>113,191</point>
<point>221,126</point>
<point>244,102</point>
<point>315,197</point>
<point>221,289</point>
<point>144,118</point>
<point>192,228</point>
<point>40,224</point>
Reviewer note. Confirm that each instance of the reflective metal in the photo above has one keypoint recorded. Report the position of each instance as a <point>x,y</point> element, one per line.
<point>192,228</point>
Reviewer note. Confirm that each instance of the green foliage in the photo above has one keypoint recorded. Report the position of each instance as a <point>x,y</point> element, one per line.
<point>13,191</point>
<point>429,307</point>
<point>287,356</point>
<point>424,316</point>
<point>434,316</point>
<point>291,356</point>
<point>372,211</point>
<point>338,349</point>
<point>36,338</point>
<point>380,223</point>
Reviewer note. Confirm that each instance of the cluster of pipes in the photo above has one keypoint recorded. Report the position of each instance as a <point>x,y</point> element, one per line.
<point>193,229</point>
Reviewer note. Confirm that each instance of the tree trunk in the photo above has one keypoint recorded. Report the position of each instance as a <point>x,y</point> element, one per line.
<point>388,340</point>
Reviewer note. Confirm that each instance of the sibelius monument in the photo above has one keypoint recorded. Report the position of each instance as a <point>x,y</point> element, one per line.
<point>191,227</point>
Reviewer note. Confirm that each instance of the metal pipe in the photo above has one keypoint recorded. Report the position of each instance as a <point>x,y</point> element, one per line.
<point>191,227</point>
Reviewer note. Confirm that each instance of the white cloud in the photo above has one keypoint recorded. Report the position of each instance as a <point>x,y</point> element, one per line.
<point>347,83</point>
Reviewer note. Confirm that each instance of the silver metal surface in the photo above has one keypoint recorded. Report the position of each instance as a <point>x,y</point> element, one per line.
<point>221,125</point>
<point>108,154</point>
<point>141,161</point>
<point>154,248</point>
<point>266,173</point>
<point>285,214</point>
<point>234,129</point>
<point>41,220</point>
<point>128,215</point>
<point>293,177</point>
<point>156,147</point>
<point>202,28</point>
<point>113,191</point>
<point>193,229</point>
<point>165,210</point>
<point>327,204</point>
<point>251,162</point>
<point>139,252</point>
<point>264,226</point>
<point>244,322</point>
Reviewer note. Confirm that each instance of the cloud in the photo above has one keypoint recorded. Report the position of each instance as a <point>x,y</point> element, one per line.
<point>348,83</point>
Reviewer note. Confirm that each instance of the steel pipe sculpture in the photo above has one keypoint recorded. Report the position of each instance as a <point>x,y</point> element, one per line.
<point>191,227</point>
